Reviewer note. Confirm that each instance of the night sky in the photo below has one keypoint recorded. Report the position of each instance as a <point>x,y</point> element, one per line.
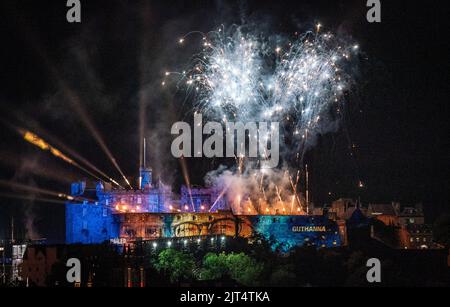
<point>114,61</point>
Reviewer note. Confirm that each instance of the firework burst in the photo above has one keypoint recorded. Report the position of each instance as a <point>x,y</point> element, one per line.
<point>241,75</point>
<point>226,78</point>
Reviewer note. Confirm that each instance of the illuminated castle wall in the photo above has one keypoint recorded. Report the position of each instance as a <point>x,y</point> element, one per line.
<point>152,213</point>
<point>285,231</point>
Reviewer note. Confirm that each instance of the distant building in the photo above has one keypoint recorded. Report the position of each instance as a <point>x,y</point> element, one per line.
<point>407,223</point>
<point>37,264</point>
<point>411,216</point>
<point>386,213</point>
<point>397,226</point>
<point>101,265</point>
<point>18,252</point>
<point>340,208</point>
<point>417,236</point>
<point>11,257</point>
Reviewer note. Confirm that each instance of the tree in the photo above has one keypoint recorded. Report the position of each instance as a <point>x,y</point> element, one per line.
<point>240,267</point>
<point>356,270</point>
<point>177,265</point>
<point>243,269</point>
<point>214,267</point>
<point>283,276</point>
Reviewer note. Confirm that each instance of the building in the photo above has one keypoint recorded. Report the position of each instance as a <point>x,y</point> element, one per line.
<point>386,213</point>
<point>37,264</point>
<point>417,236</point>
<point>45,265</point>
<point>407,224</point>
<point>18,252</point>
<point>341,208</point>
<point>100,213</point>
<point>411,216</point>
<point>11,257</point>
<point>400,227</point>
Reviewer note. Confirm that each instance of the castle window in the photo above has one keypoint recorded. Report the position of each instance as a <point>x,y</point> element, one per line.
<point>194,217</point>
<point>105,212</point>
<point>151,231</point>
<point>130,232</point>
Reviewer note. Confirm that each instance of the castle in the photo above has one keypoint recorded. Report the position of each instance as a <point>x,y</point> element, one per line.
<point>101,213</point>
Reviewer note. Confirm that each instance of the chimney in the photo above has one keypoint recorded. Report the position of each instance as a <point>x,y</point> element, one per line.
<point>145,173</point>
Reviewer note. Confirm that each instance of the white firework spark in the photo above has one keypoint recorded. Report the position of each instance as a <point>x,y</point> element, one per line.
<point>240,75</point>
<point>226,77</point>
<point>309,78</point>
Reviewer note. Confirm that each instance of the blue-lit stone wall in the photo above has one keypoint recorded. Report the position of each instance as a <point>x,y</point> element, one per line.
<point>287,232</point>
<point>93,223</point>
<point>90,224</point>
<point>208,198</point>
